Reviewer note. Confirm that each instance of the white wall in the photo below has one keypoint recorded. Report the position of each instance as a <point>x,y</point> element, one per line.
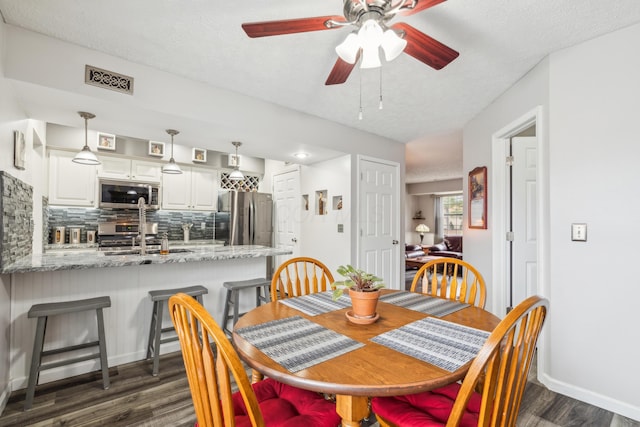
<point>320,236</point>
<point>590,95</point>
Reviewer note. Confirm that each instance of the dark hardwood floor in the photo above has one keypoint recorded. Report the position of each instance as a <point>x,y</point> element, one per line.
<point>136,398</point>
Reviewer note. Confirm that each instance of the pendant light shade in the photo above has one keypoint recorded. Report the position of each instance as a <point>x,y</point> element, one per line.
<point>171,167</point>
<point>86,156</point>
<point>235,174</point>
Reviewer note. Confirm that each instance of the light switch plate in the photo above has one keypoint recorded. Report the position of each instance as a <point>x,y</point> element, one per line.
<point>579,232</point>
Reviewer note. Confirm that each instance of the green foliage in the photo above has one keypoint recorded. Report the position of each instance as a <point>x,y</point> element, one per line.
<point>357,280</point>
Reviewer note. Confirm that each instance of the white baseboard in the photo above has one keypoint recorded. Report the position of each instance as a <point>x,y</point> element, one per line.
<point>592,398</point>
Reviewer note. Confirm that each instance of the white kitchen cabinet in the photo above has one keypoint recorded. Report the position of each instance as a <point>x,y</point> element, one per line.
<point>70,184</point>
<point>193,189</point>
<point>121,168</point>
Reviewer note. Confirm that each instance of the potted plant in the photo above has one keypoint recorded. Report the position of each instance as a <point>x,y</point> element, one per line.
<point>364,290</point>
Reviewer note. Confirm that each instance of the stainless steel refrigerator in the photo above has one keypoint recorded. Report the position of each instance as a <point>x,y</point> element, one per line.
<point>244,218</point>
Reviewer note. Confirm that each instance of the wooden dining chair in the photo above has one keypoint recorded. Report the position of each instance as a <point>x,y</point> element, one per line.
<point>212,366</point>
<point>451,278</point>
<point>300,276</point>
<point>499,373</point>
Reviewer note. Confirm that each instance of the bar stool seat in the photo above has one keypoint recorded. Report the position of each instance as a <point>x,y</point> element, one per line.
<point>160,298</point>
<point>233,298</point>
<point>42,313</point>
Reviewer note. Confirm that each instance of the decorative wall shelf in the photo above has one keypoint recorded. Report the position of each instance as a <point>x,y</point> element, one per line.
<point>321,202</point>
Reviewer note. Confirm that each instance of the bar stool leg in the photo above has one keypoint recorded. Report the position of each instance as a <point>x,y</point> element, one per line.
<point>152,329</point>
<point>156,345</point>
<point>236,307</point>
<point>36,359</point>
<point>103,350</point>
<point>225,315</point>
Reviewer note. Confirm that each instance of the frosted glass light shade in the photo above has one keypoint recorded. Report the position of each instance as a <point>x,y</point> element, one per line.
<point>236,175</point>
<point>86,157</point>
<point>370,58</point>
<point>392,45</point>
<point>348,49</point>
<point>171,167</point>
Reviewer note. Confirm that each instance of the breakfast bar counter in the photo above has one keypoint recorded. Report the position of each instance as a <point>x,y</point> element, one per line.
<point>66,275</point>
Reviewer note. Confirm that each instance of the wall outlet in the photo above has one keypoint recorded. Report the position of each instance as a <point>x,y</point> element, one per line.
<point>203,225</point>
<point>340,228</point>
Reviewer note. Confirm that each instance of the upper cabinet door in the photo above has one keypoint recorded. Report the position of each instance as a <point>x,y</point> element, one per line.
<point>114,167</point>
<point>176,191</point>
<point>204,189</point>
<point>146,171</point>
<point>70,184</point>
<point>138,170</point>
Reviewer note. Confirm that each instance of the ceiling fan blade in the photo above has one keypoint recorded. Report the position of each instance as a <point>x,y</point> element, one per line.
<point>424,48</point>
<point>420,6</point>
<point>340,72</point>
<point>289,26</point>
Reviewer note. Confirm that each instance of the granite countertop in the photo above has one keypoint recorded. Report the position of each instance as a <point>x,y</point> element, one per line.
<point>83,258</point>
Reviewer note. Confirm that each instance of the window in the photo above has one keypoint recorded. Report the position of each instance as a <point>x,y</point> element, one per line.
<point>449,214</point>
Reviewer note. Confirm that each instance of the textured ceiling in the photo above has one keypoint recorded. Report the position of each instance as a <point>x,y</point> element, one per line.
<point>498,41</point>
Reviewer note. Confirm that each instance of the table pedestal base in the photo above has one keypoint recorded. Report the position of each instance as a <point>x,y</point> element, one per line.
<point>352,409</point>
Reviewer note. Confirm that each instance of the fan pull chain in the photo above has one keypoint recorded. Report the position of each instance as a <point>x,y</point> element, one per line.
<point>380,104</point>
<point>360,112</point>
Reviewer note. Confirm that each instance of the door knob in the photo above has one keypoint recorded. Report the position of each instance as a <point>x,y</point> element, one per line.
<point>395,242</point>
<point>294,240</point>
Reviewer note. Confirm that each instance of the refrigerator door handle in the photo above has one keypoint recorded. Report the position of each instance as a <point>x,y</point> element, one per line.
<point>252,222</point>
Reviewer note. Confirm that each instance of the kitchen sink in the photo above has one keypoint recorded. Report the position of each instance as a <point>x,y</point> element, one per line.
<point>149,252</point>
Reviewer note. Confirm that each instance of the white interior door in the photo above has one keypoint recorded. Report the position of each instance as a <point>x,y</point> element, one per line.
<point>287,203</point>
<point>379,215</point>
<point>524,219</point>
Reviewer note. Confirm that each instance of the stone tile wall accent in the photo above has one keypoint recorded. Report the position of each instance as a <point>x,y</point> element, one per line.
<point>45,221</point>
<point>168,221</point>
<point>16,230</point>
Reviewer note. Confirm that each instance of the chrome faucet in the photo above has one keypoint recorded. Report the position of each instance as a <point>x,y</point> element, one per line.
<point>142,225</point>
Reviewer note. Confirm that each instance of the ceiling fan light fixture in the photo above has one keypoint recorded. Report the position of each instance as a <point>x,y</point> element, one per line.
<point>370,34</point>
<point>392,44</point>
<point>370,58</point>
<point>86,156</point>
<point>348,49</point>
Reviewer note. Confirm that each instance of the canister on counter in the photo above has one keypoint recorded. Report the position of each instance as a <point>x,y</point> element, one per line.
<point>58,235</point>
<point>74,235</point>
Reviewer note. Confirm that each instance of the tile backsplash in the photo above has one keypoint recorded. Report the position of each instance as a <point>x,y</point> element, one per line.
<point>168,221</point>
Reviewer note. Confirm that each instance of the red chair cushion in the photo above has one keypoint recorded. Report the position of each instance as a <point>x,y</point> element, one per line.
<point>428,409</point>
<point>286,406</point>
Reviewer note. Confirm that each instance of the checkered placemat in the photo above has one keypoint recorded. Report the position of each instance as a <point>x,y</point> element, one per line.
<point>297,343</point>
<point>444,344</point>
<point>423,303</point>
<point>317,303</point>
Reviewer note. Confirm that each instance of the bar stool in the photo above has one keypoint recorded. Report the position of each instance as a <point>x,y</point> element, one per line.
<point>156,330</point>
<point>233,298</point>
<point>42,312</point>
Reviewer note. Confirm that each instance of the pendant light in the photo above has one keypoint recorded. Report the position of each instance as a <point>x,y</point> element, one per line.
<point>86,156</point>
<point>171,167</point>
<point>235,174</point>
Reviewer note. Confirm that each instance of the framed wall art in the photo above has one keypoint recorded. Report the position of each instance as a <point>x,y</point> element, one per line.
<point>199,155</point>
<point>19,150</point>
<point>478,198</point>
<point>106,141</point>
<point>156,148</point>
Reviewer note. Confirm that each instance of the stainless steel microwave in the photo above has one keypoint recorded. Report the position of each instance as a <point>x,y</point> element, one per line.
<point>125,194</point>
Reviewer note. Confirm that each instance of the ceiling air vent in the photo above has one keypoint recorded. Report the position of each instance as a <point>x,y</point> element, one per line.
<point>108,79</point>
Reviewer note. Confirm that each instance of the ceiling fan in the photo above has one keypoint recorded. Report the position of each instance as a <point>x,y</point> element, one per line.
<point>370,19</point>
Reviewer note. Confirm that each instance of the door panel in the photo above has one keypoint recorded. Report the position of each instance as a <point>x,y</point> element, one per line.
<point>524,225</point>
<point>286,201</point>
<point>379,221</point>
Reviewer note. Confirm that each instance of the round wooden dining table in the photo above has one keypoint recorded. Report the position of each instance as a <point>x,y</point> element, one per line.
<point>371,370</point>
